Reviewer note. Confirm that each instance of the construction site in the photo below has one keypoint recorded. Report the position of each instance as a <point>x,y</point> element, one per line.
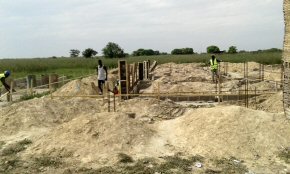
<point>168,118</point>
<point>151,119</point>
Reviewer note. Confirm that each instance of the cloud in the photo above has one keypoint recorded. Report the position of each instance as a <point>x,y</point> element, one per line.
<point>31,28</point>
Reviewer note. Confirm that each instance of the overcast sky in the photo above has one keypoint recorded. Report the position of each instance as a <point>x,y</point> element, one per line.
<point>44,28</point>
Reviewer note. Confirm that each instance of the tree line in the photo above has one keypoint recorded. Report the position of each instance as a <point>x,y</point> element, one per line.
<point>113,50</point>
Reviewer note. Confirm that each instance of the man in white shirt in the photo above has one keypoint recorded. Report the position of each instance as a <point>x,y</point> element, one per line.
<point>102,76</point>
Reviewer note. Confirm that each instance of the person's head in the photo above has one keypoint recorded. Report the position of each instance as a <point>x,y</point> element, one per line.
<point>7,73</point>
<point>212,56</point>
<point>100,62</point>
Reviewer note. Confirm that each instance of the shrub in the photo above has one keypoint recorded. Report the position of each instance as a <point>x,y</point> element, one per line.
<point>212,49</point>
<point>74,53</point>
<point>89,52</point>
<point>113,50</point>
<point>183,51</point>
<point>232,50</point>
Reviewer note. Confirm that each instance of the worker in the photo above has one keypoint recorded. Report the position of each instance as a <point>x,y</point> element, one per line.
<point>102,76</point>
<point>3,76</point>
<point>214,67</point>
<point>115,90</point>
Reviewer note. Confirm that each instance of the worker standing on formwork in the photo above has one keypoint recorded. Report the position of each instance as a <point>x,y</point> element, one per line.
<point>214,65</point>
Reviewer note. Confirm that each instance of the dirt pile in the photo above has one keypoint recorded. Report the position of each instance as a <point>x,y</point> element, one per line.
<point>151,109</point>
<point>270,103</point>
<point>83,86</point>
<point>78,134</point>
<point>78,87</point>
<point>43,112</point>
<point>231,130</point>
<point>249,135</point>
<point>95,138</point>
<point>173,77</point>
<point>239,67</point>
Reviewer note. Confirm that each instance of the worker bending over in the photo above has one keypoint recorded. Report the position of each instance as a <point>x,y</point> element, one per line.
<point>3,76</point>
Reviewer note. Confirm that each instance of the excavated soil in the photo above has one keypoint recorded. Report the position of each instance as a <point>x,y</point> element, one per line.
<point>145,135</point>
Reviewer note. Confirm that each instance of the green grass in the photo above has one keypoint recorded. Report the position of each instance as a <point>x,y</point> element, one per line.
<point>285,155</point>
<point>229,166</point>
<point>29,96</point>
<point>75,67</point>
<point>2,143</point>
<point>124,158</point>
<point>47,161</point>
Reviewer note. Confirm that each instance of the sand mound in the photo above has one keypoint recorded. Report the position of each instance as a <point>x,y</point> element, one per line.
<point>81,133</point>
<point>151,109</point>
<point>84,86</point>
<point>213,132</point>
<point>272,103</point>
<point>172,87</point>
<point>182,72</point>
<point>43,112</point>
<point>95,138</point>
<point>231,131</point>
<point>173,77</point>
<point>255,137</point>
<point>239,67</point>
<point>78,87</point>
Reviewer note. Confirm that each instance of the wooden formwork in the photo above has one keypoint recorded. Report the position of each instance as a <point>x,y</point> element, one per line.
<point>286,59</point>
<point>131,74</point>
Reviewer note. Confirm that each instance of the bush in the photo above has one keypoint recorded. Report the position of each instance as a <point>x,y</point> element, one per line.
<point>272,50</point>
<point>74,53</point>
<point>232,50</point>
<point>212,49</point>
<point>113,50</point>
<point>183,51</point>
<point>145,52</point>
<point>176,51</point>
<point>89,52</point>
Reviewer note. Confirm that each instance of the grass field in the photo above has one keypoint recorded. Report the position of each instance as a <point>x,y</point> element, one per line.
<point>74,67</point>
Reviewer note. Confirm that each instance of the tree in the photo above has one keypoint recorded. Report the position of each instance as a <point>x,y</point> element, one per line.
<point>232,50</point>
<point>177,51</point>
<point>187,51</point>
<point>113,50</point>
<point>89,52</point>
<point>212,49</point>
<point>273,50</point>
<point>156,52</point>
<point>145,52</point>
<point>74,53</point>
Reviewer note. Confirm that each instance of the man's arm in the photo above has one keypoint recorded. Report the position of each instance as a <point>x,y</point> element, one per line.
<point>105,68</point>
<point>7,87</point>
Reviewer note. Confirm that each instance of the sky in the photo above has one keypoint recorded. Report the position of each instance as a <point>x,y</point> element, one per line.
<point>46,28</point>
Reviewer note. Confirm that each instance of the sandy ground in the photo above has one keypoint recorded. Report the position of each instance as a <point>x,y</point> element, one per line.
<point>78,135</point>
